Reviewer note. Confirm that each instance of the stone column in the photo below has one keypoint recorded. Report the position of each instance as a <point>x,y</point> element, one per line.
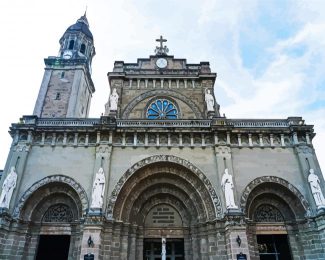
<point>132,243</point>
<point>236,230</point>
<point>17,157</point>
<point>92,232</point>
<point>307,159</point>
<point>195,245</point>
<point>139,244</point>
<point>102,159</point>
<point>124,244</point>
<point>223,161</point>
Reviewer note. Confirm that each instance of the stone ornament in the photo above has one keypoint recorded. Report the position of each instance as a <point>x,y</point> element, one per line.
<point>316,189</point>
<point>273,179</point>
<point>209,100</point>
<point>228,188</point>
<point>98,190</point>
<point>113,100</point>
<point>217,211</point>
<point>8,187</point>
<point>53,179</point>
<point>162,92</point>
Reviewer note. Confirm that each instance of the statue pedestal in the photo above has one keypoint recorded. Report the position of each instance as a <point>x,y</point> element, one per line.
<point>95,212</point>
<point>112,113</point>
<point>210,114</point>
<point>234,212</point>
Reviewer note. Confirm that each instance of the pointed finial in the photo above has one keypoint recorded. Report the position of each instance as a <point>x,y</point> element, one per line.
<point>86,11</point>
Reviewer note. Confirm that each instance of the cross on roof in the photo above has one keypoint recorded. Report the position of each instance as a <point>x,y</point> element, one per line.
<point>161,50</point>
<point>161,40</point>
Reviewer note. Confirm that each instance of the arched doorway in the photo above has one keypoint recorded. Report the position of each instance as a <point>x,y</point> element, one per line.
<point>52,209</point>
<point>165,199</point>
<point>273,207</point>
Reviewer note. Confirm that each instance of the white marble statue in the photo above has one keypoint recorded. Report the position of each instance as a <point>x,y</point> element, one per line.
<point>228,188</point>
<point>315,189</point>
<point>209,100</point>
<point>113,100</point>
<point>98,190</point>
<point>8,187</point>
<point>163,248</point>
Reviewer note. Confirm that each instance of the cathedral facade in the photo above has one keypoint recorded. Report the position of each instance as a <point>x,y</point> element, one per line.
<point>160,175</point>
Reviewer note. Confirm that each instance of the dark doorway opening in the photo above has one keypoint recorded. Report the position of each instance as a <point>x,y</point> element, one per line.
<point>53,247</point>
<point>174,249</point>
<point>273,247</point>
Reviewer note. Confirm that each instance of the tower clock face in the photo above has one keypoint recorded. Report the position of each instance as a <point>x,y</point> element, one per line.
<point>161,63</point>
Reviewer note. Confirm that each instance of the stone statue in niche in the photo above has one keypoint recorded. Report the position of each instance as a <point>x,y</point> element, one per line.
<point>8,187</point>
<point>228,188</point>
<point>113,100</point>
<point>209,100</point>
<point>98,190</point>
<point>316,189</point>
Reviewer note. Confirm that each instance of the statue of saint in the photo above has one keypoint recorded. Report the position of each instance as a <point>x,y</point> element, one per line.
<point>113,100</point>
<point>209,100</point>
<point>98,189</point>
<point>228,188</point>
<point>316,189</point>
<point>8,187</point>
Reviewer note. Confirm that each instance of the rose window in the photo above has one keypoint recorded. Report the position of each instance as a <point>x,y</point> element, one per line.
<point>162,109</point>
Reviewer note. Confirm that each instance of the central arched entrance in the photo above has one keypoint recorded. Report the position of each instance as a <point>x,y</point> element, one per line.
<point>166,199</point>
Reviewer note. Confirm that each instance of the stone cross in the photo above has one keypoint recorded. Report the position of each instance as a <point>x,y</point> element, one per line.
<point>161,40</point>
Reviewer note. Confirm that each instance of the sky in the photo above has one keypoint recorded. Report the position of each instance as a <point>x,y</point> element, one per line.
<point>269,54</point>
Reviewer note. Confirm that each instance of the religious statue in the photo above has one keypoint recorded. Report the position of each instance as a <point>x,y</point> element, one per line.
<point>113,99</point>
<point>316,189</point>
<point>228,188</point>
<point>163,248</point>
<point>98,189</point>
<point>8,187</point>
<point>209,100</point>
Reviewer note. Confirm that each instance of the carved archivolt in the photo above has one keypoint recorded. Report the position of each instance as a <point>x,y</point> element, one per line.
<point>161,92</point>
<point>200,183</point>
<point>275,180</point>
<point>53,179</point>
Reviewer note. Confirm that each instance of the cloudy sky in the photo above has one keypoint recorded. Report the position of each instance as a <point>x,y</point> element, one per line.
<point>269,55</point>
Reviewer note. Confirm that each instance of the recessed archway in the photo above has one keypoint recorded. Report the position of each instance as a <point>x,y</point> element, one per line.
<point>167,176</point>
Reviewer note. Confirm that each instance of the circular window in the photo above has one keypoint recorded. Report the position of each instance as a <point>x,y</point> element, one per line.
<point>162,109</point>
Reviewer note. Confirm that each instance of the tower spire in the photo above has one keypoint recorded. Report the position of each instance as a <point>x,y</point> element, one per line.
<point>85,14</point>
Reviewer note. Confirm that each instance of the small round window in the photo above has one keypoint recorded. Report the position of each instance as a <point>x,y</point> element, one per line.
<point>162,109</point>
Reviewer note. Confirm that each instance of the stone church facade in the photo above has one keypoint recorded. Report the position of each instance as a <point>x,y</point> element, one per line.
<point>160,175</point>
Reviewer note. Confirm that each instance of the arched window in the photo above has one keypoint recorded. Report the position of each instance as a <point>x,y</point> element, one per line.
<point>162,109</point>
<point>83,48</point>
<point>71,44</point>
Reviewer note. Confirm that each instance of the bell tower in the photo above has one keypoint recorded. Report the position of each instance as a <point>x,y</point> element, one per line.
<point>67,87</point>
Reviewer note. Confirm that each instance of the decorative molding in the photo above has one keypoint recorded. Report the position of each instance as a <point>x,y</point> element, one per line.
<point>164,158</point>
<point>58,213</point>
<point>304,150</point>
<point>223,150</point>
<point>161,92</point>
<point>273,179</point>
<point>267,213</point>
<point>21,147</point>
<point>52,179</point>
